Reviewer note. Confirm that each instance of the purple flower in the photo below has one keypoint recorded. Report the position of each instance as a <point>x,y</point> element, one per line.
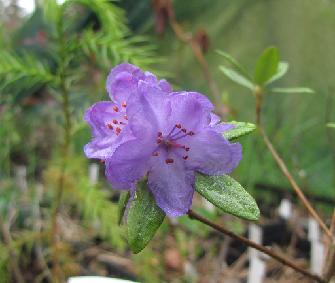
<point>167,136</point>
<point>108,119</point>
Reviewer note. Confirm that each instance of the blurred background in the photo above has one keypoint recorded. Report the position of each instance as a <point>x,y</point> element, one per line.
<point>54,59</point>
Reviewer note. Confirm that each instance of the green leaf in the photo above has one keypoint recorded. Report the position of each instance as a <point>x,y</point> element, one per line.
<point>331,125</point>
<point>237,77</point>
<point>227,194</point>
<point>292,90</point>
<point>266,65</point>
<point>281,71</point>
<point>235,63</point>
<point>241,129</point>
<point>124,197</point>
<point>144,219</point>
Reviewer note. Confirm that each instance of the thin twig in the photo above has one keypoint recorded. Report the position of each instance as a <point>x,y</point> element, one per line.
<point>281,259</point>
<point>199,55</point>
<point>259,95</point>
<point>294,185</point>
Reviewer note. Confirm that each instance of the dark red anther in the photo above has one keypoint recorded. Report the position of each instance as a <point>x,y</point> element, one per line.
<point>191,133</point>
<point>159,134</point>
<point>115,122</point>
<point>156,153</point>
<point>185,157</point>
<point>102,161</point>
<point>124,104</point>
<point>115,108</point>
<point>118,130</point>
<point>187,148</point>
<point>183,130</point>
<point>125,117</point>
<point>178,126</point>
<point>169,160</point>
<point>159,140</point>
<point>110,126</point>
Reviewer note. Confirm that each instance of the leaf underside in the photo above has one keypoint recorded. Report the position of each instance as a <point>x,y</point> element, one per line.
<point>237,77</point>
<point>241,129</point>
<point>292,90</point>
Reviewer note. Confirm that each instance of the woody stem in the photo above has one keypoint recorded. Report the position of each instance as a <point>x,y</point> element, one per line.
<point>279,258</point>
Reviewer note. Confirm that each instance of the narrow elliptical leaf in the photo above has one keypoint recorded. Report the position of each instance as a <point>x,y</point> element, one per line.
<point>144,219</point>
<point>228,195</point>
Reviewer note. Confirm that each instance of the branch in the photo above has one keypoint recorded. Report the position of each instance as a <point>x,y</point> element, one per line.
<point>281,259</point>
<point>259,95</point>
<point>198,54</point>
<point>294,185</point>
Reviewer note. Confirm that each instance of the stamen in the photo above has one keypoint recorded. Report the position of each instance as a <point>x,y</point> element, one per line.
<point>124,104</point>
<point>159,140</point>
<point>187,148</point>
<point>121,123</point>
<point>171,132</point>
<point>125,117</point>
<point>185,157</point>
<point>156,153</point>
<point>183,130</point>
<point>110,126</point>
<point>118,130</point>
<point>115,122</point>
<point>159,134</point>
<point>179,137</point>
<point>175,138</point>
<point>115,108</point>
<point>102,161</point>
<point>178,126</point>
<point>175,134</point>
<point>169,160</point>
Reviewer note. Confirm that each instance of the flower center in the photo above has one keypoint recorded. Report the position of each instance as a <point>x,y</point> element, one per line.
<point>171,141</point>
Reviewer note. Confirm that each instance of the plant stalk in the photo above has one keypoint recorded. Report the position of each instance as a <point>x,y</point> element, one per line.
<point>279,258</point>
<point>199,55</point>
<point>259,94</point>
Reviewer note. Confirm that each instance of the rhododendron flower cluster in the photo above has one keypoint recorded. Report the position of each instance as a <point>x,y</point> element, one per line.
<point>147,129</point>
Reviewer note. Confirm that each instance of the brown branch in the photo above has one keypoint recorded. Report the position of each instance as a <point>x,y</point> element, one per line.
<point>294,185</point>
<point>198,54</point>
<point>259,95</point>
<point>281,259</point>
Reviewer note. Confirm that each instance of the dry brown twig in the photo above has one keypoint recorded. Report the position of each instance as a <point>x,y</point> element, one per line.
<point>281,259</point>
<point>281,164</point>
<point>164,9</point>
